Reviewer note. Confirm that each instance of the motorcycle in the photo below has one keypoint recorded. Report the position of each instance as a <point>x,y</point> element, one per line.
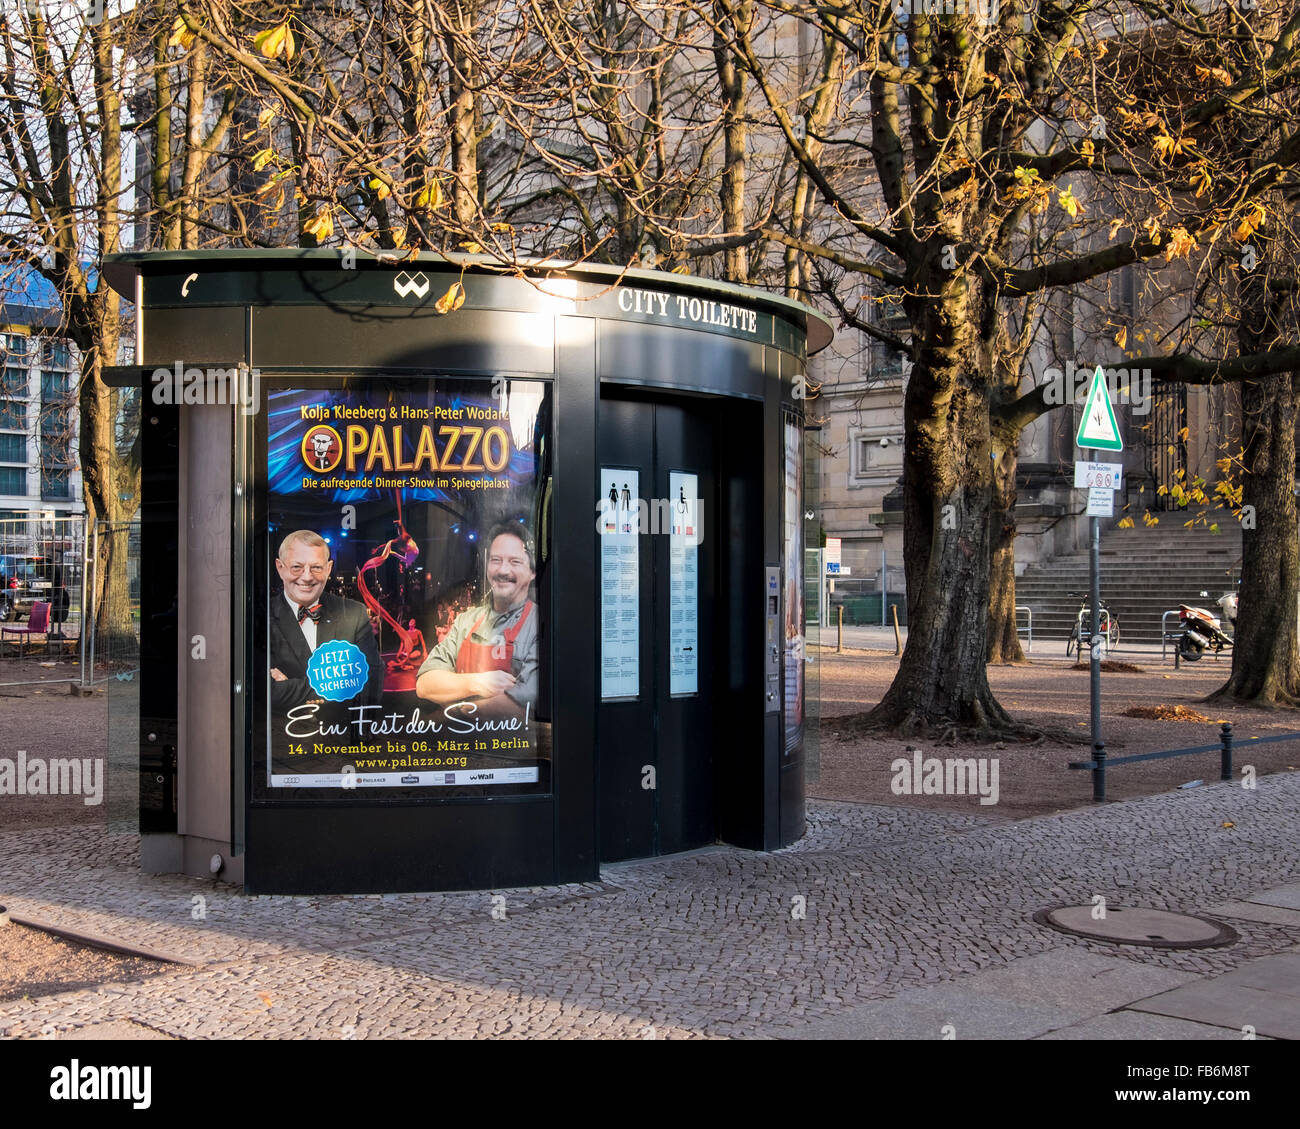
<point>1202,629</point>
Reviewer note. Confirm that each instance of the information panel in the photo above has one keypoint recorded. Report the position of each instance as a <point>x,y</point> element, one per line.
<point>792,543</point>
<point>684,584</point>
<point>620,584</point>
<point>404,614</point>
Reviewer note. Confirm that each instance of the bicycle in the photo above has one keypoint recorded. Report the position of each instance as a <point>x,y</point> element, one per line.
<point>1081,632</point>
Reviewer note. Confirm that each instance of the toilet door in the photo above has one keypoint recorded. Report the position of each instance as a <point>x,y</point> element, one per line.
<point>658,576</point>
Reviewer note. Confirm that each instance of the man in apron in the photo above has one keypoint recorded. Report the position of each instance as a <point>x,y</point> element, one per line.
<point>489,656</point>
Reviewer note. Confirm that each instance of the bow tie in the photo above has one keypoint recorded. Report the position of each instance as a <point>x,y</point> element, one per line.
<point>313,611</point>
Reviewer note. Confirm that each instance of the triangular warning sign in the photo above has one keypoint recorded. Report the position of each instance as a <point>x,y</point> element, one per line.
<point>1098,428</point>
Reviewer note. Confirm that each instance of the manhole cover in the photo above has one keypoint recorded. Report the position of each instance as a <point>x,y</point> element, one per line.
<point>1152,928</point>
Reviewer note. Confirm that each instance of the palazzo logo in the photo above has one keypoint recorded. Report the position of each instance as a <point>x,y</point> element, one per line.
<point>322,448</point>
<point>407,284</point>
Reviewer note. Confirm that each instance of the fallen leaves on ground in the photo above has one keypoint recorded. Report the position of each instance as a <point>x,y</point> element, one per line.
<point>1111,666</point>
<point>1163,712</point>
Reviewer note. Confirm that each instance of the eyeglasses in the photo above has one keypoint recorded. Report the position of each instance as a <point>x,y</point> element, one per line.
<point>316,570</point>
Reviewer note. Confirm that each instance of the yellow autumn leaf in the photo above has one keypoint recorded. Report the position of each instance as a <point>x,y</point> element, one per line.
<point>452,300</point>
<point>1228,825</point>
<point>473,247</point>
<point>1250,222</point>
<point>1124,523</point>
<point>1121,338</point>
<point>274,40</point>
<point>1183,433</point>
<point>399,237</point>
<point>262,159</point>
<point>182,37</point>
<point>1115,225</point>
<point>266,117</point>
<point>430,196</point>
<point>1069,201</point>
<point>503,228</point>
<point>321,225</point>
<point>1150,519</point>
<point>1214,527</point>
<point>1181,242</point>
<point>379,188</point>
<point>1201,179</point>
<point>1088,151</point>
<point>1152,226</point>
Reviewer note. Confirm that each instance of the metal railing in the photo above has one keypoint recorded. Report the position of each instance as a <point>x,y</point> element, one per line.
<point>1028,629</point>
<point>1100,762</point>
<point>1167,636</point>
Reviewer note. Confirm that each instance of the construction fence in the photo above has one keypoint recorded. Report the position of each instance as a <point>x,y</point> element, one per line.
<point>867,585</point>
<point>51,629</point>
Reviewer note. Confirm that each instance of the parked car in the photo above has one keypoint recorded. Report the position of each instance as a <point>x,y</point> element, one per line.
<point>27,579</point>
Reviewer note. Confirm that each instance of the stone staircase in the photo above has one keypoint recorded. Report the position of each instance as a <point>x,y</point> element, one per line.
<point>1145,571</point>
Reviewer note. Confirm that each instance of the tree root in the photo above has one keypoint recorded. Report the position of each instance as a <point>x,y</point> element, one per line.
<point>1268,698</point>
<point>979,730</point>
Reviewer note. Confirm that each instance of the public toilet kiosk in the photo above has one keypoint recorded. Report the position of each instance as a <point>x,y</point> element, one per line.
<point>456,577</point>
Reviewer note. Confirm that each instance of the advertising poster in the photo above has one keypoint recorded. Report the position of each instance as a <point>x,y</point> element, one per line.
<point>407,620</point>
<point>792,539</point>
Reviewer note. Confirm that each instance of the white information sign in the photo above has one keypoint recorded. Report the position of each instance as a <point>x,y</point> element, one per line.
<point>684,585</point>
<point>620,584</point>
<point>1109,475</point>
<point>833,549</point>
<point>1101,501</point>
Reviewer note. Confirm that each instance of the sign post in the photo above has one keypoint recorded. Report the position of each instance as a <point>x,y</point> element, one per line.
<point>1099,431</point>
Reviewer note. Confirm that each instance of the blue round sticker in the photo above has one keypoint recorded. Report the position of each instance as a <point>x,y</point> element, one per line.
<point>338,670</point>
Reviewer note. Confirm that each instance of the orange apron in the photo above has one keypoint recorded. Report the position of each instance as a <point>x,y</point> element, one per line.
<point>477,658</point>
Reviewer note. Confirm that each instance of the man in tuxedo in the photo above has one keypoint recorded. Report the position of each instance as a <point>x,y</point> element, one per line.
<point>304,617</point>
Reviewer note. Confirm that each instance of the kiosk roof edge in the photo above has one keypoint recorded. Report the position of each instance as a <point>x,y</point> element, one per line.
<point>121,270</point>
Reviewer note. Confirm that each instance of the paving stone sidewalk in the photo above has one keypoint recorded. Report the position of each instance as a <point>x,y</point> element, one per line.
<point>883,922</point>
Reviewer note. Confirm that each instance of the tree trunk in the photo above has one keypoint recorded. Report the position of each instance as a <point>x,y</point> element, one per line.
<point>1004,639</point>
<point>731,191</point>
<point>111,490</point>
<point>462,122</point>
<point>942,679</point>
<point>1265,667</point>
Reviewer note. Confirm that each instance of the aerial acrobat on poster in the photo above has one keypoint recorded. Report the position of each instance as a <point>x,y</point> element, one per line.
<point>402,549</point>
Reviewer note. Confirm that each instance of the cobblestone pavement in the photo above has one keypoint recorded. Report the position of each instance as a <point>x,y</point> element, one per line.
<point>702,945</point>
